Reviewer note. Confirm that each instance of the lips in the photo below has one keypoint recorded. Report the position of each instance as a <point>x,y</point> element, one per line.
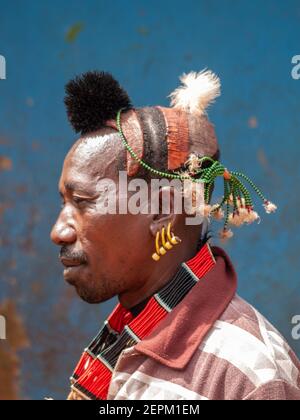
<point>67,262</point>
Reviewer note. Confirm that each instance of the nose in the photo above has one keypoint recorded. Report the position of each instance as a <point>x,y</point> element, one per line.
<point>63,233</point>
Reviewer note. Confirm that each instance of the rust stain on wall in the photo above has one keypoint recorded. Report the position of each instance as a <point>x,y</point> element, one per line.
<point>252,122</point>
<point>9,358</point>
<point>3,207</point>
<point>5,163</point>
<point>35,145</point>
<point>21,189</point>
<point>26,243</point>
<point>264,162</point>
<point>4,141</point>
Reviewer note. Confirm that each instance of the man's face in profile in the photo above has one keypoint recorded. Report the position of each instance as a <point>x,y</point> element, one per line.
<point>99,253</point>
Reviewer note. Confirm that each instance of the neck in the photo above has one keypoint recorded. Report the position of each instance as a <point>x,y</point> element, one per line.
<point>135,310</point>
<point>162,272</point>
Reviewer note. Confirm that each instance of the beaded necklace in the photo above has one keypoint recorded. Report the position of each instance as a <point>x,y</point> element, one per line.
<point>93,373</point>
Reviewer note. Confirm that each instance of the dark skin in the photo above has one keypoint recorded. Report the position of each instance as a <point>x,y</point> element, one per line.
<point>110,255</point>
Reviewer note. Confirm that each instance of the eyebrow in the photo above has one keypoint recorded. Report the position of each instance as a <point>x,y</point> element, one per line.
<point>73,186</point>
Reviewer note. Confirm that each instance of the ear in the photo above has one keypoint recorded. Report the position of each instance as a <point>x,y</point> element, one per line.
<point>165,213</point>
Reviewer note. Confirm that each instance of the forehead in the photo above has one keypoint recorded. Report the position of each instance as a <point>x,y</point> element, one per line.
<point>91,159</point>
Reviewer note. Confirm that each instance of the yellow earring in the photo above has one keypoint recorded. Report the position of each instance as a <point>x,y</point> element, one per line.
<point>166,244</point>
<point>171,237</point>
<point>156,255</point>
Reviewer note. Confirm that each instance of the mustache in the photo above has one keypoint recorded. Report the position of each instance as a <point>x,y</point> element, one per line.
<point>71,254</point>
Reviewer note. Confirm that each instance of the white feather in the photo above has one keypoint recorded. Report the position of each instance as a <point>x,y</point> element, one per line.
<point>197,92</point>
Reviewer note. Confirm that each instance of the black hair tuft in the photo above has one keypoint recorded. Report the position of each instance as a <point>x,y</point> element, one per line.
<point>93,98</point>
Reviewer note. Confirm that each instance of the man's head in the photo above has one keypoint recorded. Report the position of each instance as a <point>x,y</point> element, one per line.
<point>110,254</point>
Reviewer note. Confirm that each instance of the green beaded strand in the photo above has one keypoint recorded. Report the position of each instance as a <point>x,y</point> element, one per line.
<point>233,186</point>
<point>255,187</point>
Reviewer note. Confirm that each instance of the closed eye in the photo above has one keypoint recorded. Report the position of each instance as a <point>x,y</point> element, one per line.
<point>77,199</point>
<point>81,200</point>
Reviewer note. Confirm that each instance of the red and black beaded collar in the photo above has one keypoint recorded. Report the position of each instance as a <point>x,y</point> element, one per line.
<point>92,375</point>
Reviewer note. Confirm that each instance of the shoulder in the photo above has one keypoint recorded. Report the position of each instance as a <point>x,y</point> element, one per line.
<point>250,350</point>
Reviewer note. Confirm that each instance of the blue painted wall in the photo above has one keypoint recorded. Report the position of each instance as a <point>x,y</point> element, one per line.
<point>146,45</point>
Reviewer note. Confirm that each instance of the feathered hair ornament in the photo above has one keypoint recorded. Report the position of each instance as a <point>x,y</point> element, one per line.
<point>197,92</point>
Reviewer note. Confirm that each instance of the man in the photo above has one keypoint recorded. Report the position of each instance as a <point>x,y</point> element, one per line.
<point>179,331</point>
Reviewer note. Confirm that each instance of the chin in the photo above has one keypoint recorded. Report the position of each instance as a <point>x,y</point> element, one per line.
<point>90,296</point>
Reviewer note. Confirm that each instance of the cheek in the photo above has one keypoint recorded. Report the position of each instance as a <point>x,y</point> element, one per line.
<point>102,237</point>
<point>115,239</point>
<point>90,233</point>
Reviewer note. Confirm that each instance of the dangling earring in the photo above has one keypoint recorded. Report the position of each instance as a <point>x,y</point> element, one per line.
<point>171,237</point>
<point>166,244</point>
<point>156,255</point>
